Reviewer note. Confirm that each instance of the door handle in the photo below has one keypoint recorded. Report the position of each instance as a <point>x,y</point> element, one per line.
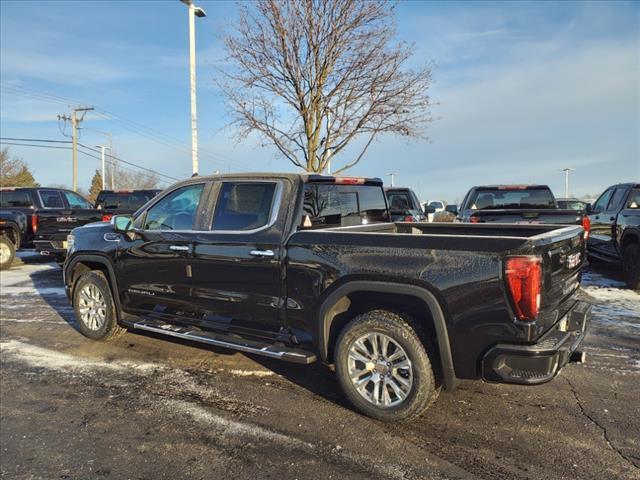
<point>262,253</point>
<point>179,248</point>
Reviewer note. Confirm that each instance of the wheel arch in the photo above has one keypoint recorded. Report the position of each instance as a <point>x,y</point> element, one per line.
<point>339,302</point>
<point>13,229</point>
<point>86,263</point>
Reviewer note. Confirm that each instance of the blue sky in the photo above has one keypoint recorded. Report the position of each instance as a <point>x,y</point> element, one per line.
<point>521,90</point>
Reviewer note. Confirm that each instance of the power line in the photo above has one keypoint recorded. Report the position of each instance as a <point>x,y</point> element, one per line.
<point>140,129</point>
<point>34,140</point>
<point>130,163</point>
<point>114,158</point>
<point>27,145</point>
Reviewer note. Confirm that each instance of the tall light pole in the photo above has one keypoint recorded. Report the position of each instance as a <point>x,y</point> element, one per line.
<point>566,171</point>
<point>392,175</point>
<point>102,149</point>
<point>193,12</point>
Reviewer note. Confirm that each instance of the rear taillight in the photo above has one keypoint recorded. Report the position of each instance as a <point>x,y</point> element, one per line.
<point>524,282</point>
<point>473,219</point>
<point>586,224</point>
<point>107,217</point>
<point>34,223</point>
<point>409,218</point>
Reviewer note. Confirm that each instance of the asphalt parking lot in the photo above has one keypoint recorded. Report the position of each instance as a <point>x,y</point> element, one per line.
<point>143,407</point>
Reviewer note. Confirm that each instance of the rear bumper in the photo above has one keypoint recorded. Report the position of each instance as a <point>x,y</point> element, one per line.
<point>540,362</point>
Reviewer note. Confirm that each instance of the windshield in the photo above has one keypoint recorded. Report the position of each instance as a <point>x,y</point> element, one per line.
<point>123,200</point>
<point>572,204</point>
<point>400,200</point>
<point>504,198</point>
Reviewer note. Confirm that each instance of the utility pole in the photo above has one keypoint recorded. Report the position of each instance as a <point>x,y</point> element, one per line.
<point>75,121</point>
<point>104,180</point>
<point>566,171</point>
<point>392,175</point>
<point>193,12</point>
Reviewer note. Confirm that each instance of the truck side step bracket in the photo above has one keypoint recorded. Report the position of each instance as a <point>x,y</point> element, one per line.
<point>281,352</point>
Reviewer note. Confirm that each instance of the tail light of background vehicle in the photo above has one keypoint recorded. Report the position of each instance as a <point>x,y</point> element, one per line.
<point>107,217</point>
<point>586,224</point>
<point>409,218</point>
<point>473,219</point>
<point>349,181</point>
<point>34,223</point>
<point>523,276</point>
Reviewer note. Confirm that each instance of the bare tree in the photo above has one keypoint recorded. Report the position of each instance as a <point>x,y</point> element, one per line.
<point>14,172</point>
<point>312,76</point>
<point>135,180</point>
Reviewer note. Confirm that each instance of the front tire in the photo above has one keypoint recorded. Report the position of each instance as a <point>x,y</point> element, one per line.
<point>94,307</point>
<point>383,367</point>
<point>631,265</point>
<point>7,253</point>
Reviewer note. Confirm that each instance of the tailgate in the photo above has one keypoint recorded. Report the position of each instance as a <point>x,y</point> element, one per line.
<point>56,224</point>
<point>563,255</point>
<point>549,216</point>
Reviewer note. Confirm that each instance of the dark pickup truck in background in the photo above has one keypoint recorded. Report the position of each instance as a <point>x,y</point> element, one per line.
<point>525,204</point>
<point>615,230</point>
<point>305,267</point>
<point>51,214</point>
<point>13,227</point>
<point>119,202</point>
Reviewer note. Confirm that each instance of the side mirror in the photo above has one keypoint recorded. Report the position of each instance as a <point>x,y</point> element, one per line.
<point>429,209</point>
<point>589,209</point>
<point>453,209</point>
<point>122,223</point>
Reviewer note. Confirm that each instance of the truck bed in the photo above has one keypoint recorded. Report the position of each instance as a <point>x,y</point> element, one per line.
<point>494,237</point>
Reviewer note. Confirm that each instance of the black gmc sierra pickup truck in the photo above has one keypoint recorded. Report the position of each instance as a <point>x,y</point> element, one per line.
<point>302,267</point>
<point>615,217</point>
<point>517,204</point>
<point>51,214</point>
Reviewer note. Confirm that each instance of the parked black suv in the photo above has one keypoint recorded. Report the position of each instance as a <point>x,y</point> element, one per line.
<point>615,229</point>
<point>51,214</point>
<point>118,202</point>
<point>300,267</point>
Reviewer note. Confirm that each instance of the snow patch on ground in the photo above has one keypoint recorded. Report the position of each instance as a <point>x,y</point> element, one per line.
<point>232,427</point>
<point>45,291</point>
<point>251,373</point>
<point>14,350</point>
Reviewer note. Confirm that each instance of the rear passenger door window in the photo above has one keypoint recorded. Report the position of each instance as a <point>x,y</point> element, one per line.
<point>20,198</point>
<point>176,211</point>
<point>244,206</point>
<point>51,198</point>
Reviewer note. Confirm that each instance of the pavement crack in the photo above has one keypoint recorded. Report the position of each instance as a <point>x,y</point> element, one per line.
<point>593,420</point>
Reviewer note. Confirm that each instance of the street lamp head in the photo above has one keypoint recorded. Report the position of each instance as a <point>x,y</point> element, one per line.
<point>199,12</point>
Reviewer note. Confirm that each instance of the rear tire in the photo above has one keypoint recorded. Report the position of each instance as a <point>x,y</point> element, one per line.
<point>392,380</point>
<point>94,307</point>
<point>7,252</point>
<point>631,265</point>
